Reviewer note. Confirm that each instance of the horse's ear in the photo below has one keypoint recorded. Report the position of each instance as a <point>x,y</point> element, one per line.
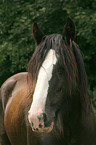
<point>37,34</point>
<point>69,31</point>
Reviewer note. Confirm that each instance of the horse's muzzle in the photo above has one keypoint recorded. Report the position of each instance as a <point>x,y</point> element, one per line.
<point>40,123</point>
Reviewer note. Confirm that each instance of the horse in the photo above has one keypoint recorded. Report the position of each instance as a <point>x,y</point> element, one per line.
<point>49,104</point>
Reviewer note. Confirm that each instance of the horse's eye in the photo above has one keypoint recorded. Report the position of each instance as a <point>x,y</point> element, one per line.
<point>60,71</point>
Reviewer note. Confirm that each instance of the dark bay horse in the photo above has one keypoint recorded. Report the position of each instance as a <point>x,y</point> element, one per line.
<point>49,104</point>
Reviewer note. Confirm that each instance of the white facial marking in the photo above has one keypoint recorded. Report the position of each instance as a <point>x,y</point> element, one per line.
<point>41,89</point>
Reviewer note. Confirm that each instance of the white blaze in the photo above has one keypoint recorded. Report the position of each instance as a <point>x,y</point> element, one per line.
<point>42,85</point>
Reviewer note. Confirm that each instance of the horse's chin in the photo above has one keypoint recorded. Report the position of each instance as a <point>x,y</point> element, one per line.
<point>45,129</point>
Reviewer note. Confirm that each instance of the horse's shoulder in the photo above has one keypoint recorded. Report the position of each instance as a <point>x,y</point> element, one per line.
<point>10,84</point>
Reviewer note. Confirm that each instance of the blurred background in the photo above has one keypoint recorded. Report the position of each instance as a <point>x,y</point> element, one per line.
<point>16,42</point>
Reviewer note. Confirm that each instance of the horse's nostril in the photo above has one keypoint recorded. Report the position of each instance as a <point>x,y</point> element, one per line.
<point>40,125</point>
<point>44,117</point>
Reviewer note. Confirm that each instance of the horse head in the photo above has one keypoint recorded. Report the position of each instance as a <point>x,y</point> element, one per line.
<point>53,76</point>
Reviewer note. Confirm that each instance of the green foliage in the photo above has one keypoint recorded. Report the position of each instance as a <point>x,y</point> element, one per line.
<point>16,42</point>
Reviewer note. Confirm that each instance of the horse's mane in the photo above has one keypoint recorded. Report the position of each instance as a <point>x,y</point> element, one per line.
<point>72,61</point>
<point>83,83</point>
<point>54,41</point>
